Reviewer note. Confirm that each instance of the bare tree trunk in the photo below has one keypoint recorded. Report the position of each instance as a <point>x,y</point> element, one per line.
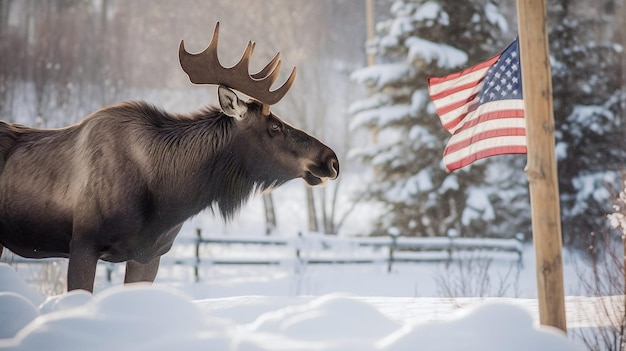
<point>312,212</point>
<point>5,7</point>
<point>102,59</point>
<point>270,214</point>
<point>331,225</point>
<point>324,208</point>
<point>6,85</point>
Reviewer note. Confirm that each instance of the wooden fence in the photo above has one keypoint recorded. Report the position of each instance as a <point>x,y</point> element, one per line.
<point>306,249</point>
<point>312,249</point>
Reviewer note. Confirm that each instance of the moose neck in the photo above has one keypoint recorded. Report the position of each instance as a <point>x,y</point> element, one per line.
<point>199,166</point>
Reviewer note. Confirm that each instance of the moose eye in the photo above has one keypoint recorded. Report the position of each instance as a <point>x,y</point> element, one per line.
<point>275,127</point>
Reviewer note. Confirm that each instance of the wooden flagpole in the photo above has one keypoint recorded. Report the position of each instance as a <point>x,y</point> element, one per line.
<point>541,168</point>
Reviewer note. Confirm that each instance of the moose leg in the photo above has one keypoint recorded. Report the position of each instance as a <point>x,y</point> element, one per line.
<point>81,270</point>
<point>140,272</point>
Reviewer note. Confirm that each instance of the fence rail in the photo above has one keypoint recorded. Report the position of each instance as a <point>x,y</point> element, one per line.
<point>305,249</point>
<point>322,249</point>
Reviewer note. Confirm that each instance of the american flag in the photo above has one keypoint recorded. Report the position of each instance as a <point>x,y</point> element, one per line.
<point>482,108</point>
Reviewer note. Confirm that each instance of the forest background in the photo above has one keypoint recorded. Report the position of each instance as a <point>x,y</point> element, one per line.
<point>61,60</point>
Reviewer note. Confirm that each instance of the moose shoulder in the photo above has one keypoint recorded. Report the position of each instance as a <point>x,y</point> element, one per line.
<point>118,185</point>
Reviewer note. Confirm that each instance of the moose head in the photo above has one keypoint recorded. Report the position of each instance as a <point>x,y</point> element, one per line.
<point>281,152</point>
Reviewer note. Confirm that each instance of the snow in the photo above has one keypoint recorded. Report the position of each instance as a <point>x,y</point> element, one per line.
<point>423,135</point>
<point>143,317</point>
<point>591,186</point>
<point>450,183</point>
<point>281,307</point>
<point>593,118</point>
<point>400,27</point>
<point>419,98</point>
<point>380,116</point>
<point>478,206</point>
<point>494,16</point>
<point>490,327</point>
<point>329,307</point>
<point>560,150</point>
<point>617,218</point>
<point>376,100</point>
<point>16,312</point>
<point>384,74</point>
<point>445,56</point>
<point>10,282</point>
<point>430,11</point>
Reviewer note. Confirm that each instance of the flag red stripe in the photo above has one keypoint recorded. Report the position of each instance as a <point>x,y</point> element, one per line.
<point>450,148</point>
<point>456,89</point>
<point>471,108</point>
<point>502,150</point>
<point>488,116</point>
<point>438,80</point>
<point>454,106</point>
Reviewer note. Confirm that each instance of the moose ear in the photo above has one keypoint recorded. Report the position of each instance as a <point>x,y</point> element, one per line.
<point>230,103</point>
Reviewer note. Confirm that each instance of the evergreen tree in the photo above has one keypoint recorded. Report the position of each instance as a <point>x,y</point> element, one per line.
<point>589,117</point>
<point>424,39</point>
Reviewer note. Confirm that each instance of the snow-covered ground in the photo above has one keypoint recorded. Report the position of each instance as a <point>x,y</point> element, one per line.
<point>294,307</point>
<point>158,317</point>
<point>326,307</point>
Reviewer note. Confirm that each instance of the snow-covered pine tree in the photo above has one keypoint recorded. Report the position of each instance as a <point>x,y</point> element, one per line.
<point>423,39</point>
<point>589,114</point>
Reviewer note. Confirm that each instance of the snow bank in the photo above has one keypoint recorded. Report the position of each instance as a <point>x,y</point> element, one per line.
<point>138,317</point>
<point>142,317</point>
<point>10,281</point>
<point>492,326</point>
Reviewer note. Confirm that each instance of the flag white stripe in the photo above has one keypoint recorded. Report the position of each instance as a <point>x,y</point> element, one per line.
<point>456,113</point>
<point>481,145</point>
<point>494,106</point>
<point>486,126</point>
<point>462,80</point>
<point>454,98</point>
<point>489,107</point>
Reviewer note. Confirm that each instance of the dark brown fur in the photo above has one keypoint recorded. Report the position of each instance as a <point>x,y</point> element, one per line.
<point>118,185</point>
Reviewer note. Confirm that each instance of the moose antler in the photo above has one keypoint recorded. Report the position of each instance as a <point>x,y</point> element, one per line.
<point>205,68</point>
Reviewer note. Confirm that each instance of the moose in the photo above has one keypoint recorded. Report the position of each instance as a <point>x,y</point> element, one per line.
<point>118,185</point>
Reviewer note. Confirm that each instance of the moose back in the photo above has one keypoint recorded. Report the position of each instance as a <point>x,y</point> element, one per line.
<point>118,185</point>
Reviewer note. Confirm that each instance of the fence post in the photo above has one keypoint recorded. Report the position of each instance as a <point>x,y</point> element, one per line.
<point>391,249</point>
<point>109,272</point>
<point>298,258</point>
<point>196,267</point>
<point>520,238</point>
<point>452,233</point>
